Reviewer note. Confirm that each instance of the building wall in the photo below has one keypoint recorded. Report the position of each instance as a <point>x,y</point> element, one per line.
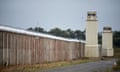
<point>16,48</point>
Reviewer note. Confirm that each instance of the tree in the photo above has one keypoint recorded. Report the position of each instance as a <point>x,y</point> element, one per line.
<point>78,34</point>
<point>70,33</point>
<point>56,32</point>
<point>30,28</point>
<point>116,39</point>
<point>37,29</point>
<point>99,37</point>
<point>62,33</point>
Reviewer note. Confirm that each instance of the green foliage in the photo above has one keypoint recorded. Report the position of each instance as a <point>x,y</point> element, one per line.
<point>116,39</point>
<point>70,33</point>
<point>37,29</point>
<point>118,62</point>
<point>116,52</point>
<point>62,33</point>
<point>79,34</point>
<point>99,38</point>
<point>117,67</point>
<point>57,32</point>
<point>30,28</point>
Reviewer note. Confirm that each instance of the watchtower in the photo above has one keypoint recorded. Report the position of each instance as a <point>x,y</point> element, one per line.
<point>107,42</point>
<point>91,47</point>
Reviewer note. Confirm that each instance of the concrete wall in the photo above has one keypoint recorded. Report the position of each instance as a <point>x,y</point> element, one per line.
<point>107,44</point>
<point>107,40</point>
<point>16,48</point>
<point>92,33</point>
<point>91,47</point>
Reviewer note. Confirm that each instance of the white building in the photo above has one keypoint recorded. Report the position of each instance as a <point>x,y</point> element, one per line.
<point>91,47</point>
<point>107,42</point>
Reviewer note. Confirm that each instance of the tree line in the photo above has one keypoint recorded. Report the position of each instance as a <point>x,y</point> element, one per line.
<point>68,33</point>
<point>76,34</point>
<point>116,39</point>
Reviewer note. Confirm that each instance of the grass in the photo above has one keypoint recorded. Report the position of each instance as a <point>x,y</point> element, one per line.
<point>45,66</point>
<point>117,67</point>
<point>117,53</point>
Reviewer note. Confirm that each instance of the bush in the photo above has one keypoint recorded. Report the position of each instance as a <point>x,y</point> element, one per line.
<point>117,67</point>
<point>118,62</point>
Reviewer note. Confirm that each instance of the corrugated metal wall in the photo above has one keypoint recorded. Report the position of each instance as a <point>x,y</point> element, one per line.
<point>25,49</point>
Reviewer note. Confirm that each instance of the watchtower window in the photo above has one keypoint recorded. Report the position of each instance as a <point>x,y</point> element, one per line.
<point>107,28</point>
<point>89,14</point>
<point>93,14</point>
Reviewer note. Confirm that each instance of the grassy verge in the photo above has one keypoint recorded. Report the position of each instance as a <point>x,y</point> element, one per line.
<point>117,53</point>
<point>36,67</point>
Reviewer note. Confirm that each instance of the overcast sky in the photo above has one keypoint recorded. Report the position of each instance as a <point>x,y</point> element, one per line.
<point>59,13</point>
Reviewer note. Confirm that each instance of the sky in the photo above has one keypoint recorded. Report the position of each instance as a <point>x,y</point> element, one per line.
<point>63,14</point>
